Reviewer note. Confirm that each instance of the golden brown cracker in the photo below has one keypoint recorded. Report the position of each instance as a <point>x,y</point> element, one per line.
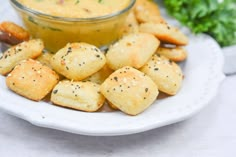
<point>130,90</point>
<point>32,80</point>
<point>165,33</point>
<point>84,96</point>
<point>176,54</point>
<point>77,61</point>
<point>147,11</point>
<point>25,50</point>
<point>132,50</point>
<point>166,74</point>
<point>12,34</point>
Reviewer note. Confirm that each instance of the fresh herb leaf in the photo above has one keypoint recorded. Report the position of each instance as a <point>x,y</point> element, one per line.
<point>214,17</point>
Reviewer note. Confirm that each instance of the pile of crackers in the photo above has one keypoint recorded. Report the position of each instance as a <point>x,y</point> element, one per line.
<point>128,76</point>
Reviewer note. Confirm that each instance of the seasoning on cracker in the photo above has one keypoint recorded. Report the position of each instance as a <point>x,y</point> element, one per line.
<point>165,73</point>
<point>165,33</point>
<point>129,90</point>
<point>84,96</point>
<point>32,80</point>
<point>131,24</point>
<point>132,50</point>
<point>25,50</point>
<point>77,61</point>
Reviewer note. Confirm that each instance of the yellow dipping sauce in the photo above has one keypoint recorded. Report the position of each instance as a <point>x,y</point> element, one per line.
<point>76,8</point>
<point>57,33</point>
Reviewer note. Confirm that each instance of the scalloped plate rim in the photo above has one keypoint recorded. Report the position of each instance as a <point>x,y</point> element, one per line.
<point>54,124</point>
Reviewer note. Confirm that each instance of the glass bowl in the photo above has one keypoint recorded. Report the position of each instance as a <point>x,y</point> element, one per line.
<point>57,31</point>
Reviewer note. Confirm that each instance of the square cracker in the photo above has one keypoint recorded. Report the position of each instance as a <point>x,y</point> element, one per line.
<point>78,95</point>
<point>32,80</point>
<point>129,90</point>
<point>165,33</point>
<point>165,73</point>
<point>77,61</point>
<point>132,50</point>
<point>25,50</point>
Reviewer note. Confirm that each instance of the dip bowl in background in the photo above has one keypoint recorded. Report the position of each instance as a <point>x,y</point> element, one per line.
<point>57,31</point>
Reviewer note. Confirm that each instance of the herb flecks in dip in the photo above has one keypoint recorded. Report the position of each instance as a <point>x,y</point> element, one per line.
<point>76,8</point>
<point>56,33</point>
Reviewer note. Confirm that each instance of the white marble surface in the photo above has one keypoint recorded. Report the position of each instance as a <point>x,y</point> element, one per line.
<point>211,133</point>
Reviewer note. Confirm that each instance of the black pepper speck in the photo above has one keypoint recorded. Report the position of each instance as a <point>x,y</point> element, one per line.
<point>55,91</point>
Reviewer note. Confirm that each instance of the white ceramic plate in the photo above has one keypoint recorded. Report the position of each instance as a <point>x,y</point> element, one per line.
<point>203,74</point>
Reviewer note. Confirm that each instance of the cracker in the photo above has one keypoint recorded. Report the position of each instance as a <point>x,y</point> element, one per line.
<point>100,76</point>
<point>165,33</point>
<point>84,96</point>
<point>147,11</point>
<point>32,80</point>
<point>132,50</point>
<point>165,73</point>
<point>176,54</point>
<point>45,58</point>
<point>12,34</point>
<point>131,24</point>
<point>130,90</point>
<point>77,61</point>
<point>25,50</point>
<point>112,106</point>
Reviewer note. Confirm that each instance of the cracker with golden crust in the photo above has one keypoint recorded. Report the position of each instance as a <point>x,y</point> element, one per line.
<point>100,76</point>
<point>12,33</point>
<point>25,50</point>
<point>129,90</point>
<point>32,80</point>
<point>166,74</point>
<point>176,54</point>
<point>165,33</point>
<point>77,61</point>
<point>131,24</point>
<point>132,50</point>
<point>147,11</point>
<point>84,96</point>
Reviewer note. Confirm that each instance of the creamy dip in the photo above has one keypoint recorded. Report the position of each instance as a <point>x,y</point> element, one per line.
<point>76,8</point>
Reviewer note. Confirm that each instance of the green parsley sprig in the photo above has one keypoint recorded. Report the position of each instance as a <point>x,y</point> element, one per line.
<point>214,17</point>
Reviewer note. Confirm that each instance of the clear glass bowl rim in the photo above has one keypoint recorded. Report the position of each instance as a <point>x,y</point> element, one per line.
<point>23,8</point>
